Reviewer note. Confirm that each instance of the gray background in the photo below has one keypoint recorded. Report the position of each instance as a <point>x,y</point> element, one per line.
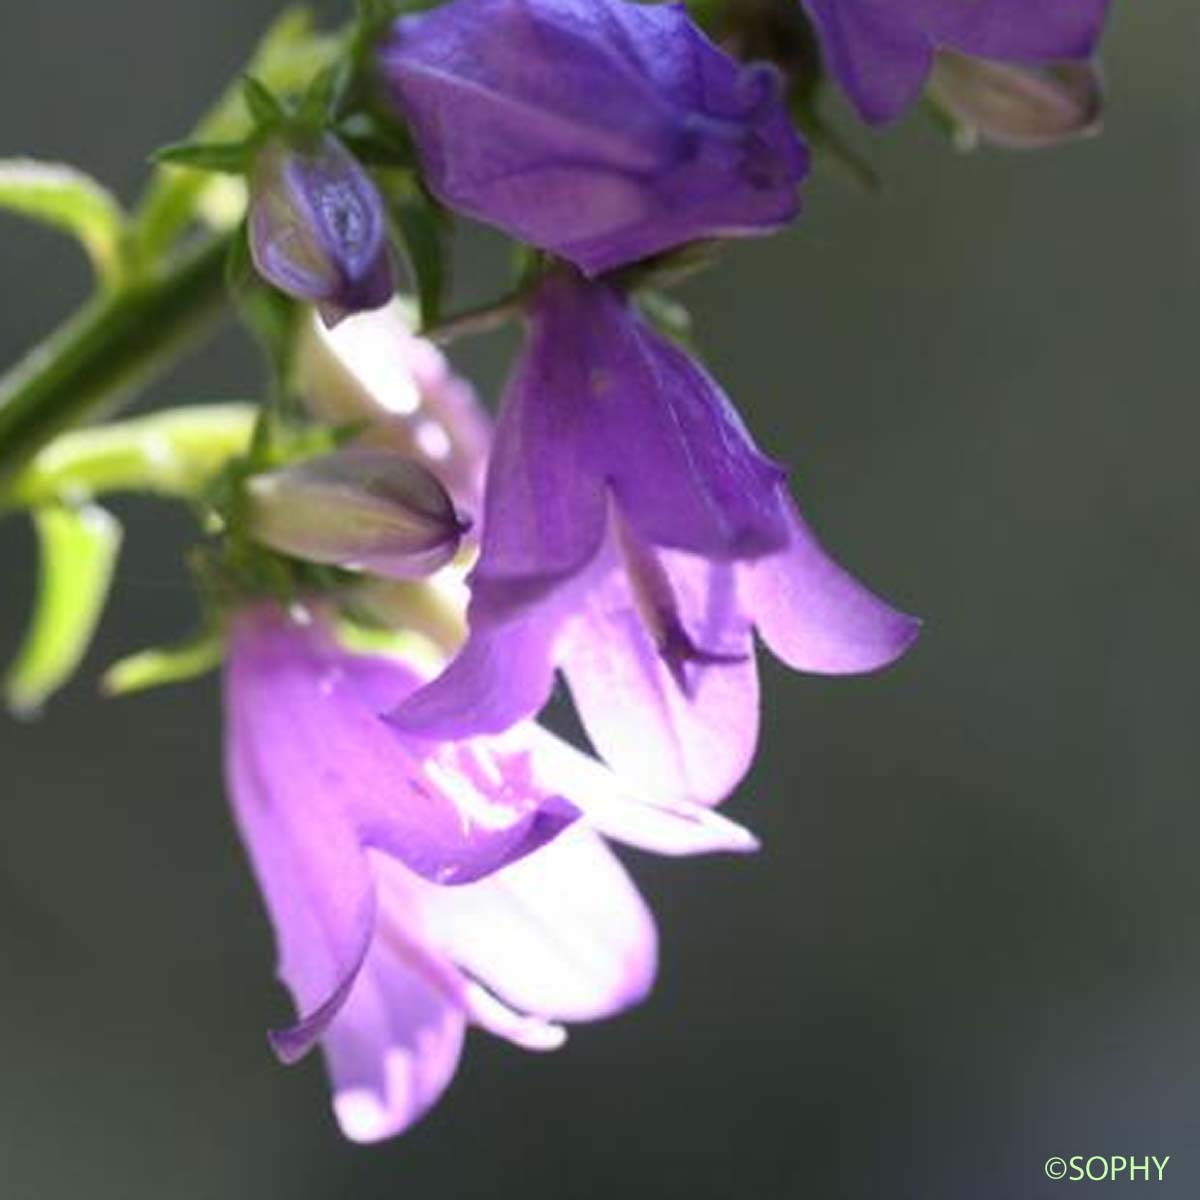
<point>970,942</point>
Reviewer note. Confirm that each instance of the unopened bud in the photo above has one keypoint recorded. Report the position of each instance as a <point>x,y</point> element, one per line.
<point>362,509</point>
<point>1016,105</point>
<point>317,228</point>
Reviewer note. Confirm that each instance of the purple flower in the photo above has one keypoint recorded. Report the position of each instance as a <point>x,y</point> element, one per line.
<point>635,536</point>
<point>317,228</point>
<point>602,130</point>
<point>881,51</point>
<point>354,834</point>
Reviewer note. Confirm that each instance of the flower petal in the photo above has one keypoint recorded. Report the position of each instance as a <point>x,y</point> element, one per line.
<point>503,674</point>
<point>309,865</point>
<point>1019,30</point>
<point>816,616</point>
<point>660,739</point>
<point>879,57</point>
<point>651,427</point>
<point>330,760</point>
<point>393,1048</point>
<point>562,935</point>
<point>670,827</point>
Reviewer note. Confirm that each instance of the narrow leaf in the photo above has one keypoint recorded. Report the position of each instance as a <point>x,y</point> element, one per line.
<point>162,665</point>
<point>78,548</point>
<point>68,199</point>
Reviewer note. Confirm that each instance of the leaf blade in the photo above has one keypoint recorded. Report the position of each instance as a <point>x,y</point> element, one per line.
<point>64,197</point>
<point>78,549</point>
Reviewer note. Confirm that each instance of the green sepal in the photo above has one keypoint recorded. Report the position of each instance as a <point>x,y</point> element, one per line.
<point>223,158</point>
<point>78,549</point>
<point>319,99</point>
<point>419,227</point>
<point>266,109</point>
<point>66,198</point>
<point>377,143</point>
<point>160,666</point>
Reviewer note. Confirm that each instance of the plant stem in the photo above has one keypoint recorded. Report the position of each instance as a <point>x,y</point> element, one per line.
<point>114,345</point>
<point>484,319</point>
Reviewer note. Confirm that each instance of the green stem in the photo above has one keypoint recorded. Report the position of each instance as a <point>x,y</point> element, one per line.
<point>114,345</point>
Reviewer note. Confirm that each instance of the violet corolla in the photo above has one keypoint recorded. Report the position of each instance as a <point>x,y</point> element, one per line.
<point>882,51</point>
<point>635,536</point>
<point>602,130</point>
<point>417,887</point>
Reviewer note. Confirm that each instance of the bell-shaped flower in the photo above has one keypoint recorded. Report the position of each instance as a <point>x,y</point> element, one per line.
<point>882,51</point>
<point>317,227</point>
<point>399,875</point>
<point>359,508</point>
<point>635,536</point>
<point>602,130</point>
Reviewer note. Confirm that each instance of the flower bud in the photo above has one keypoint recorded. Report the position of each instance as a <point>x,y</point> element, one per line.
<point>317,228</point>
<point>1017,105</point>
<point>357,508</point>
<point>602,130</point>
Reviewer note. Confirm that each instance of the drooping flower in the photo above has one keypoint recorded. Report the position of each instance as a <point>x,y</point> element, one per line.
<point>882,51</point>
<point>365,509</point>
<point>635,536</point>
<point>317,228</point>
<point>602,130</point>
<point>400,877</point>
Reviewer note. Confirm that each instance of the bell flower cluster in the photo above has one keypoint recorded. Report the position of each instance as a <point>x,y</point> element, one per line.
<point>431,857</point>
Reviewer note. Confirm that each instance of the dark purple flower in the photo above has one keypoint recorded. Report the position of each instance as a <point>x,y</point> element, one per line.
<point>602,130</point>
<point>354,832</point>
<point>317,228</point>
<point>881,51</point>
<point>635,536</point>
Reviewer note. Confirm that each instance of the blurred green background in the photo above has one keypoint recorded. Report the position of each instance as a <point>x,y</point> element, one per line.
<point>970,942</point>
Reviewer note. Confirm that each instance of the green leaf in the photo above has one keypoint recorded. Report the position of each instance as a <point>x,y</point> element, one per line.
<point>227,158</point>
<point>78,548</point>
<point>68,199</point>
<point>171,453</point>
<point>419,227</point>
<point>162,665</point>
